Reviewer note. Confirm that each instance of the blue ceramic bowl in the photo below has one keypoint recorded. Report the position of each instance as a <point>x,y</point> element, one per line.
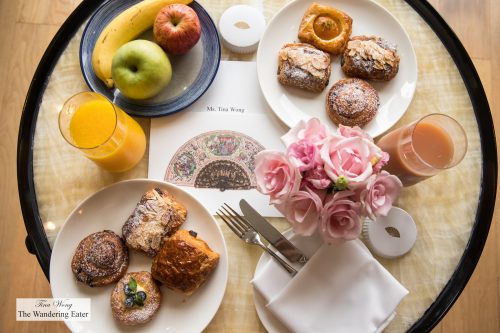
<point>192,73</point>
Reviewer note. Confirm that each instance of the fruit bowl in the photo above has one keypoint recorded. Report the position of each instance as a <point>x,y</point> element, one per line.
<point>192,73</point>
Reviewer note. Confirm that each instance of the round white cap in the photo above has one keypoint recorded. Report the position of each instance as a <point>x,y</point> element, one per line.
<point>241,27</point>
<point>390,236</point>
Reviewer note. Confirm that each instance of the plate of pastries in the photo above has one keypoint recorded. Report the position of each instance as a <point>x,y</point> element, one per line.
<point>346,62</point>
<point>148,255</point>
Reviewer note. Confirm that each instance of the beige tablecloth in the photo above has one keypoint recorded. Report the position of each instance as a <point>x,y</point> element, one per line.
<point>443,207</point>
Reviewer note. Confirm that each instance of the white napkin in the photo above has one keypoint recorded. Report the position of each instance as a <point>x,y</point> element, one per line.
<point>342,288</point>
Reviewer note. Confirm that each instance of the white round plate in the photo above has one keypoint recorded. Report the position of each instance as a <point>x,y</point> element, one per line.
<point>108,209</point>
<point>292,105</point>
<point>268,320</point>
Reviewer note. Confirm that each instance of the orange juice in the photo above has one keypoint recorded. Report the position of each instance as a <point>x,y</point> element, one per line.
<point>92,124</point>
<point>103,132</point>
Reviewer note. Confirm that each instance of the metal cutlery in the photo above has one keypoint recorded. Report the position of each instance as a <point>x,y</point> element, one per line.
<point>271,234</point>
<point>245,231</point>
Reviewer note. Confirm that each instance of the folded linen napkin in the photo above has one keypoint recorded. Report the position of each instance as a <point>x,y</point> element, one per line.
<point>342,288</point>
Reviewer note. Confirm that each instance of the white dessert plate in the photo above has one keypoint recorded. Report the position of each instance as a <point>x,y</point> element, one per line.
<point>292,105</point>
<point>108,209</point>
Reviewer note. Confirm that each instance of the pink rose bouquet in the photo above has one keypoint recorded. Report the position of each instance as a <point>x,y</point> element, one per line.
<point>327,182</point>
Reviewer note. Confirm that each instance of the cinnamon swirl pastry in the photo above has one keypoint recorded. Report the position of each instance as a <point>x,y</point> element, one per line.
<point>100,259</point>
<point>135,298</point>
<point>352,102</point>
<point>156,215</point>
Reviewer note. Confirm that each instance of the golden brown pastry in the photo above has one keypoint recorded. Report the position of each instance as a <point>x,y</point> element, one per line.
<point>325,27</point>
<point>100,259</point>
<point>352,102</point>
<point>303,66</point>
<point>184,262</point>
<point>135,298</point>
<point>156,215</point>
<point>370,57</point>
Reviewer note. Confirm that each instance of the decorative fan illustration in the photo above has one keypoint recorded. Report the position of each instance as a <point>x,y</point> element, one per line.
<point>217,159</point>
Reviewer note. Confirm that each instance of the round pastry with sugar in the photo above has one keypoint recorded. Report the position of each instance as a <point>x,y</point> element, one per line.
<point>100,259</point>
<point>352,102</point>
<point>135,298</point>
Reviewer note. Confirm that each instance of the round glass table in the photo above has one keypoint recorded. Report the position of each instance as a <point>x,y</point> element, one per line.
<point>453,210</point>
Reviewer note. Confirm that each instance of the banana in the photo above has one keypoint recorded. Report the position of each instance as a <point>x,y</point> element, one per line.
<point>126,26</point>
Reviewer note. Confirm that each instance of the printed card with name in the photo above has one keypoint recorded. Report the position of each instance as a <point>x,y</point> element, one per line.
<point>209,149</point>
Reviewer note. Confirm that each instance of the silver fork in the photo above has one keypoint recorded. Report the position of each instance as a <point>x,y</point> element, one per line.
<point>244,230</point>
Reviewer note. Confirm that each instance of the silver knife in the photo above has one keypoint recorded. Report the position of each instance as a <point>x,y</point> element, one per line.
<point>271,234</point>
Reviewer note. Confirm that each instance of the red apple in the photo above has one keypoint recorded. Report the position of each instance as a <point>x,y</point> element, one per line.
<point>177,28</point>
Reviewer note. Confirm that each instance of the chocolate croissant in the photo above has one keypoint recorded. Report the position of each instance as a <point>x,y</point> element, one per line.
<point>184,262</point>
<point>100,259</point>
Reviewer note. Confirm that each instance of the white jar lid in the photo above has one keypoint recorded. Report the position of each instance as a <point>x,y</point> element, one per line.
<point>241,28</point>
<point>390,236</point>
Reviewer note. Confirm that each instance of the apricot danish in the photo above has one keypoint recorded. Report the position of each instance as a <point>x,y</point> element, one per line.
<point>325,27</point>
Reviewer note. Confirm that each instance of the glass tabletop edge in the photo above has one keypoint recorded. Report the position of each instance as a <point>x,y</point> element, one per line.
<point>486,203</point>
<point>36,240</point>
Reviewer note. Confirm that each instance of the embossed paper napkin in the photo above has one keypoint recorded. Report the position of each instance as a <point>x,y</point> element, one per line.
<point>342,288</point>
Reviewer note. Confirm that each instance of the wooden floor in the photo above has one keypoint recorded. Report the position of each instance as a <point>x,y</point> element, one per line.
<point>27,28</point>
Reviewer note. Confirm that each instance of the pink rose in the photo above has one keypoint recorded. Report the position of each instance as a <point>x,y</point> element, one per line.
<point>340,217</point>
<point>275,175</point>
<point>382,162</point>
<point>380,193</point>
<point>356,131</point>
<point>302,209</point>
<point>318,178</point>
<point>304,155</point>
<point>350,158</point>
<point>311,131</point>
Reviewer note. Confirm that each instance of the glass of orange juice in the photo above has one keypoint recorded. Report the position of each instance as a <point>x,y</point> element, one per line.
<point>102,131</point>
<point>424,148</point>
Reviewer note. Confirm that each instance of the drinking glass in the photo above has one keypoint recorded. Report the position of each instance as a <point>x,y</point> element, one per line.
<point>422,149</point>
<point>102,131</point>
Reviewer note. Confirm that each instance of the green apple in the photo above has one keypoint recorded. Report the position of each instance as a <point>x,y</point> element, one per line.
<point>140,69</point>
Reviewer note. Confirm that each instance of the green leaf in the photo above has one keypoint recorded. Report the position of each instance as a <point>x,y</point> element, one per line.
<point>132,284</point>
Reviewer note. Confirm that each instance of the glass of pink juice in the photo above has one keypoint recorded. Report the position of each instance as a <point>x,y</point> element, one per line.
<point>424,148</point>
<point>102,131</point>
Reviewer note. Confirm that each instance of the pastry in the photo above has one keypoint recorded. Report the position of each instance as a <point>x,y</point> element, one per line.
<point>135,298</point>
<point>184,262</point>
<point>325,27</point>
<point>100,259</point>
<point>303,66</point>
<point>156,215</point>
<point>352,102</point>
<point>370,57</point>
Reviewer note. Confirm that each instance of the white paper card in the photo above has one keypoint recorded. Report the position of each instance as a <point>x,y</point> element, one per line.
<point>208,149</point>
